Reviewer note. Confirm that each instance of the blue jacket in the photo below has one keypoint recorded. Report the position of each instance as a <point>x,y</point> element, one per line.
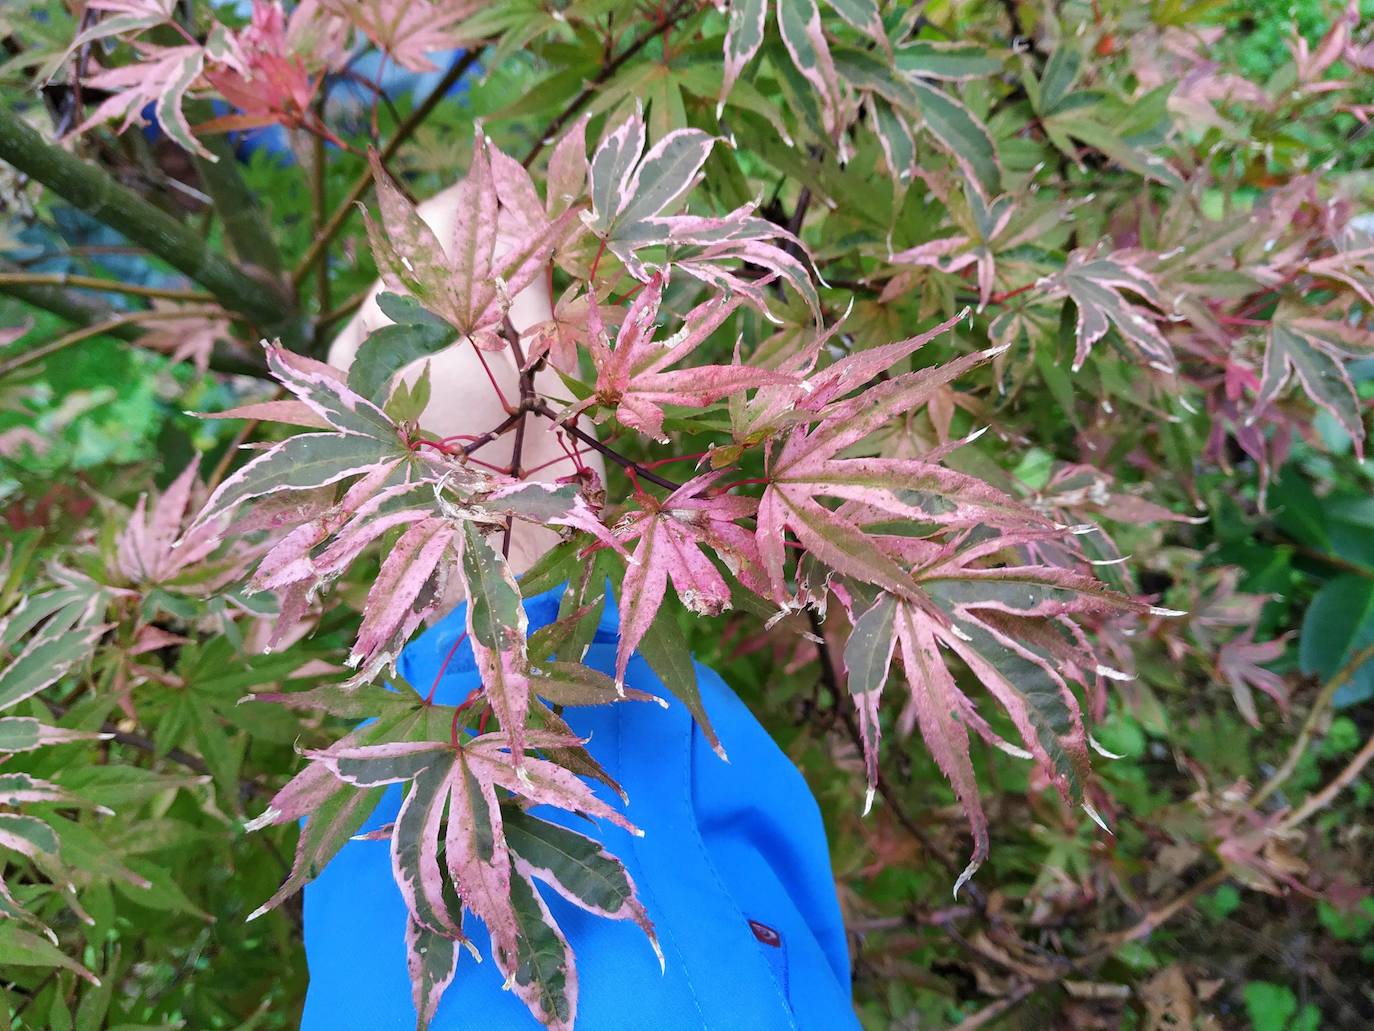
<point>733,868</point>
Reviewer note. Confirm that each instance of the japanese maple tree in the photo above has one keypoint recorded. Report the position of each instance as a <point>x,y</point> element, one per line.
<point>823,278</point>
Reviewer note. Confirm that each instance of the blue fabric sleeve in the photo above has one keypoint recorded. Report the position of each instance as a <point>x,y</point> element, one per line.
<point>733,869</point>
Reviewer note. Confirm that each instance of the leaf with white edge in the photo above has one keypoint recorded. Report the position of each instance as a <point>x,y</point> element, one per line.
<point>665,174</point>
<point>18,789</point>
<point>864,16</point>
<point>324,389</point>
<point>743,37</point>
<point>21,948</point>
<point>612,167</point>
<point>414,847</point>
<point>867,656</point>
<point>949,61</point>
<point>578,868</point>
<point>894,136</point>
<point>543,972</point>
<point>45,659</point>
<point>24,734</point>
<point>302,462</point>
<point>1095,285</point>
<point>497,627</point>
<point>29,836</point>
<point>960,132</point>
<point>936,704</point>
<point>799,22</point>
<point>432,961</point>
<point>571,683</point>
<point>1301,349</point>
<point>408,587</point>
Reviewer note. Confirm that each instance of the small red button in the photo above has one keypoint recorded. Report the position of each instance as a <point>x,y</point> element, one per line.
<point>766,934</point>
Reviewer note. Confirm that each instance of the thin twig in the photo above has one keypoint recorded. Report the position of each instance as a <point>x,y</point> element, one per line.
<point>542,408</point>
<point>1319,800</point>
<point>181,758</point>
<point>1319,706</point>
<point>608,69</point>
<point>63,342</point>
<point>343,311</point>
<point>527,399</point>
<point>96,283</point>
<point>992,1011</point>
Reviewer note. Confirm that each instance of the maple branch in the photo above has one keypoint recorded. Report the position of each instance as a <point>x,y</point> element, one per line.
<point>34,354</point>
<point>1319,800</point>
<point>8,279</point>
<point>608,69</point>
<point>82,311</point>
<point>320,244</point>
<point>527,398</point>
<point>541,407</point>
<point>194,763</point>
<point>1319,706</point>
<point>73,307</point>
<point>343,311</point>
<point>98,194</point>
<point>237,206</point>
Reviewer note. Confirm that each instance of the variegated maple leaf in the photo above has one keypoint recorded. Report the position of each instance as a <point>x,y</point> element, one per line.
<point>1095,283</point>
<point>469,278</point>
<point>408,31</point>
<point>630,195</point>
<point>492,853</point>
<point>394,490</point>
<point>809,465</point>
<point>799,22</point>
<point>1315,350</point>
<point>633,378</point>
<point>1240,662</point>
<point>162,77</point>
<point>671,535</point>
<point>151,550</point>
<point>431,499</point>
<point>272,69</point>
<point>1012,626</point>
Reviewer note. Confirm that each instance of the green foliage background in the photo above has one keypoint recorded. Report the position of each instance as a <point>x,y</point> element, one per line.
<point>113,419</point>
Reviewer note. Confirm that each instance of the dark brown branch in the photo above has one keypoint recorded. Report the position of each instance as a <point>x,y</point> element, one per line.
<point>542,408</point>
<point>194,763</point>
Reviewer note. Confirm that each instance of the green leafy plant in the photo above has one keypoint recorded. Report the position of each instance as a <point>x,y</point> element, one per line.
<point>920,346</point>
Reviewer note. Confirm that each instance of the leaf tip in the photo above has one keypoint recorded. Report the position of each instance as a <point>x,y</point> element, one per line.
<point>1096,817</point>
<point>1159,610</point>
<point>260,911</point>
<point>966,876</point>
<point>1113,674</point>
<point>868,807</point>
<point>1100,750</point>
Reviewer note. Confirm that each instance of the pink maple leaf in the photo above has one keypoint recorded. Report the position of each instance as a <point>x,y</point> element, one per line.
<point>631,377</point>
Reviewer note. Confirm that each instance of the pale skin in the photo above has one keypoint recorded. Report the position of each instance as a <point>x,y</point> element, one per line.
<point>464,399</point>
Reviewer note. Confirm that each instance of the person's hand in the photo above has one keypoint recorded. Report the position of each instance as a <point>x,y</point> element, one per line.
<point>463,399</point>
